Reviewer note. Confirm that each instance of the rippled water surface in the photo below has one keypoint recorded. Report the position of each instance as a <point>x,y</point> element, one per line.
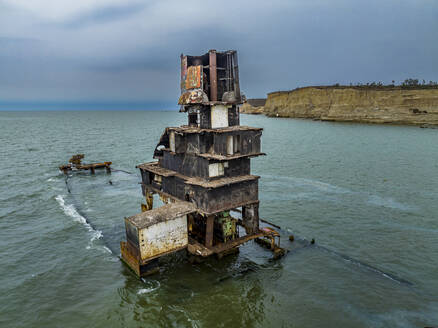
<point>367,194</point>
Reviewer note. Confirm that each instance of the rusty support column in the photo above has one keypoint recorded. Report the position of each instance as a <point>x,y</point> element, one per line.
<point>250,218</point>
<point>183,71</point>
<point>92,169</point>
<point>209,231</point>
<point>236,77</point>
<point>213,75</point>
<point>149,200</point>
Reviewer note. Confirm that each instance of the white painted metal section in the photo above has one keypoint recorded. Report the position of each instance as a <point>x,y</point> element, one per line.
<point>215,169</point>
<point>219,116</point>
<point>172,141</point>
<point>229,145</point>
<point>163,237</point>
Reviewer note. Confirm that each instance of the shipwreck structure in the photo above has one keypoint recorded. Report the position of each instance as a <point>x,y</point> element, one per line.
<point>201,172</point>
<point>75,163</point>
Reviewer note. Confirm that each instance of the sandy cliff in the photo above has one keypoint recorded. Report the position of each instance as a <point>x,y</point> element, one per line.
<point>386,105</point>
<point>253,106</point>
<point>247,108</point>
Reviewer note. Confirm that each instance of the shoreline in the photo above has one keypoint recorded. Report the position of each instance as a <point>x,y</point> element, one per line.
<point>385,105</point>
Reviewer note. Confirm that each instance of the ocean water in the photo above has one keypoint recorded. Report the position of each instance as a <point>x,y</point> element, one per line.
<point>367,194</point>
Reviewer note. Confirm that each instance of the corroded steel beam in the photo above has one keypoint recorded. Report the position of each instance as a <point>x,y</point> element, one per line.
<point>213,75</point>
<point>209,231</point>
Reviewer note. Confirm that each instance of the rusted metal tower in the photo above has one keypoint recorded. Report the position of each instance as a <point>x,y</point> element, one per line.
<point>201,173</point>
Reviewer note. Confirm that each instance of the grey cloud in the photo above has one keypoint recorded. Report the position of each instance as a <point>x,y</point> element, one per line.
<point>132,52</point>
<point>105,14</point>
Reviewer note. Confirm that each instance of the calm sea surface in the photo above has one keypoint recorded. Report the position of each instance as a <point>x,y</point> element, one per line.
<point>368,194</point>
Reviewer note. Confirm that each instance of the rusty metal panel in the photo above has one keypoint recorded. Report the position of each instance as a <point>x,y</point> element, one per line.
<point>209,231</point>
<point>194,77</point>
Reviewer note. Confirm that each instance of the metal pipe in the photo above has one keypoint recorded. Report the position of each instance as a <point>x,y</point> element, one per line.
<point>213,75</point>
<point>209,231</point>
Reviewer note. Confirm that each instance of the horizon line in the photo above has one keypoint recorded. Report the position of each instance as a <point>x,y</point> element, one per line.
<point>47,105</point>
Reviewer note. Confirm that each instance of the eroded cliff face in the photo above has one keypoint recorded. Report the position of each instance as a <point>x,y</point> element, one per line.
<point>395,105</point>
<point>246,108</point>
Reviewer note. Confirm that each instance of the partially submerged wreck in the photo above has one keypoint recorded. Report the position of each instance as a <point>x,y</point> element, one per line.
<point>75,163</point>
<point>201,173</point>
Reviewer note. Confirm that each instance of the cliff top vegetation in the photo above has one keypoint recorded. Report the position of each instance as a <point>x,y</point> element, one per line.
<point>406,84</point>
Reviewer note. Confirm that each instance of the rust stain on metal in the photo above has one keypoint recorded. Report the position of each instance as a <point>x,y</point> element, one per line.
<point>194,77</point>
<point>213,75</point>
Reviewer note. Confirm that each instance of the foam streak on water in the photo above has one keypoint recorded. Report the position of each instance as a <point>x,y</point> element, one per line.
<point>72,212</point>
<point>302,188</point>
<point>152,285</point>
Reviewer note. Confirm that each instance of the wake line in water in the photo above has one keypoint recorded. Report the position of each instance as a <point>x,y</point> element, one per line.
<point>323,188</point>
<point>120,170</point>
<point>345,257</point>
<point>303,182</point>
<point>152,285</point>
<point>96,236</point>
<point>66,184</point>
<point>366,266</point>
<point>71,211</point>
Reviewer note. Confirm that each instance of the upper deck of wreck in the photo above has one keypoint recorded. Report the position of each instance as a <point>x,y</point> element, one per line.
<point>189,129</point>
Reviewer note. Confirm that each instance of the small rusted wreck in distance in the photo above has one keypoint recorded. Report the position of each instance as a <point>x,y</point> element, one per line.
<point>201,173</point>
<point>75,163</point>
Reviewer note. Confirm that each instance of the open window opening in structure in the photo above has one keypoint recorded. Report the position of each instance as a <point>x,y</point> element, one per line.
<point>225,76</point>
<point>193,119</point>
<point>157,180</point>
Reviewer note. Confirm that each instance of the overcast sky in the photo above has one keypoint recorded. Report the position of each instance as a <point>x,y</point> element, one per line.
<point>128,50</point>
